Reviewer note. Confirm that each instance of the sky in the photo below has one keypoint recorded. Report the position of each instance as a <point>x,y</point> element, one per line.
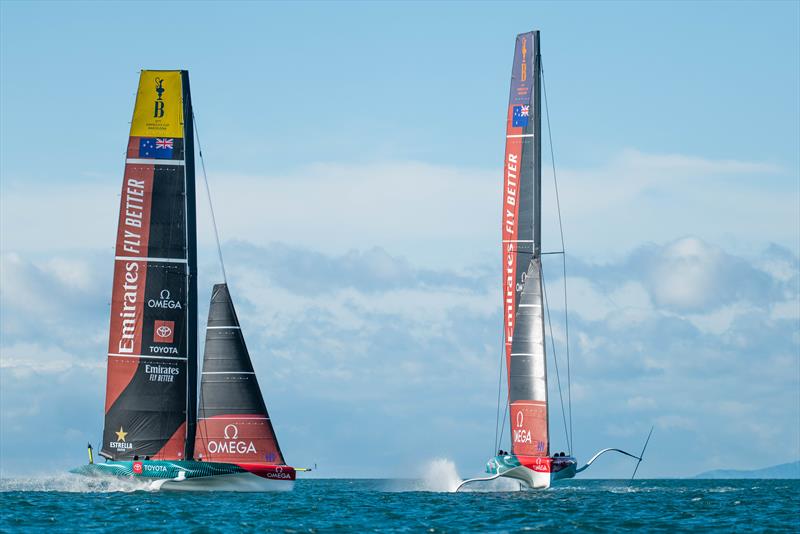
<point>354,155</point>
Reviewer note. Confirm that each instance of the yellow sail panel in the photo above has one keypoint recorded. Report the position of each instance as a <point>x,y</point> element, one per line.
<point>159,106</point>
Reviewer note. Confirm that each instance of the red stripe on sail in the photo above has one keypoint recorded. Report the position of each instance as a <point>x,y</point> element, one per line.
<point>119,374</point>
<point>133,147</point>
<point>510,226</point>
<point>130,279</point>
<point>173,449</point>
<point>127,307</point>
<point>133,231</point>
<point>237,438</point>
<point>127,314</point>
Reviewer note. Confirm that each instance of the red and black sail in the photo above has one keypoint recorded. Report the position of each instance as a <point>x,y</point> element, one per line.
<point>152,342</point>
<point>233,423</point>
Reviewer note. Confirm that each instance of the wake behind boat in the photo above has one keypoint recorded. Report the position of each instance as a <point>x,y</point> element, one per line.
<point>530,460</point>
<point>154,430</point>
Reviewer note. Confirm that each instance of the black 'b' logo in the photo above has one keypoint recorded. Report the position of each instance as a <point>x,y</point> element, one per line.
<point>158,112</point>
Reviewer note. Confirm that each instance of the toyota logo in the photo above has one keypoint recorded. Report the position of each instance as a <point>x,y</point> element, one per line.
<point>163,331</point>
<point>165,294</point>
<point>235,432</point>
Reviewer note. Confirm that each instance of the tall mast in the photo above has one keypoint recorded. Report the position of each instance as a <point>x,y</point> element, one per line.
<point>191,255</point>
<point>537,148</point>
<point>153,329</point>
<point>521,237</point>
<point>537,192</point>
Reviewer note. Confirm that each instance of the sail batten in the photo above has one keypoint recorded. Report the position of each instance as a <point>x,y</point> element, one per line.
<point>521,242</point>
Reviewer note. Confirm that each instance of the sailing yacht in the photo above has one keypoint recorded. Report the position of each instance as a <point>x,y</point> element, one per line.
<point>530,460</point>
<point>153,428</point>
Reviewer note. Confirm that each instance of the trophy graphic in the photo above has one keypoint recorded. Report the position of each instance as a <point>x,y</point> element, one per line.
<point>159,88</point>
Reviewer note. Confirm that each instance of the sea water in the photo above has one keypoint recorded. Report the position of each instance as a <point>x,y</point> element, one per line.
<point>76,504</point>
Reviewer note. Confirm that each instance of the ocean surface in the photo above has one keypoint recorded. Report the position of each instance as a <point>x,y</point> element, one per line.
<point>76,504</point>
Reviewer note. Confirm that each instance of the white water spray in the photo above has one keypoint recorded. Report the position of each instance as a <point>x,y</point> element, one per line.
<point>440,475</point>
<point>70,483</point>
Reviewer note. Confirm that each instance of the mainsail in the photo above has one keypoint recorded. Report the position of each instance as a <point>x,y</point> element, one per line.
<point>150,389</point>
<point>233,424</point>
<point>522,268</point>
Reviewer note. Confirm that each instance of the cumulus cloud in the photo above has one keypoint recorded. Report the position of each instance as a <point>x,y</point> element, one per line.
<point>709,351</point>
<point>689,274</point>
<point>366,350</point>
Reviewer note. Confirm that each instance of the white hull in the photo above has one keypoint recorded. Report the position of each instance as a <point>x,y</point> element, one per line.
<point>538,477</point>
<point>243,482</point>
<point>532,479</point>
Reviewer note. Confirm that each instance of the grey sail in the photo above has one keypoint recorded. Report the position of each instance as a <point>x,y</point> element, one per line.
<point>528,369</point>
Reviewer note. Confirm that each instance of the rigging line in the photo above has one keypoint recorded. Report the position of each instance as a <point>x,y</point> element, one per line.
<point>563,248</point>
<point>203,435</point>
<point>499,379</point>
<point>555,360</point>
<point>503,424</point>
<point>499,443</point>
<point>208,194</point>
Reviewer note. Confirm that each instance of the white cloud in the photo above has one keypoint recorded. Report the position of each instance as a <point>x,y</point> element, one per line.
<point>371,338</point>
<point>433,214</point>
<point>718,321</point>
<point>788,309</point>
<point>675,422</point>
<point>69,271</point>
<point>622,306</point>
<point>684,274</point>
<point>24,360</point>
<point>682,165</point>
<point>639,402</point>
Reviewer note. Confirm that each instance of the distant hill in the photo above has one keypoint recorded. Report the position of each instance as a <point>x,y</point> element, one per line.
<point>790,470</point>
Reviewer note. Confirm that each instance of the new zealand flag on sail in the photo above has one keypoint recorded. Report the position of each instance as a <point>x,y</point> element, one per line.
<point>520,117</point>
<point>156,148</point>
